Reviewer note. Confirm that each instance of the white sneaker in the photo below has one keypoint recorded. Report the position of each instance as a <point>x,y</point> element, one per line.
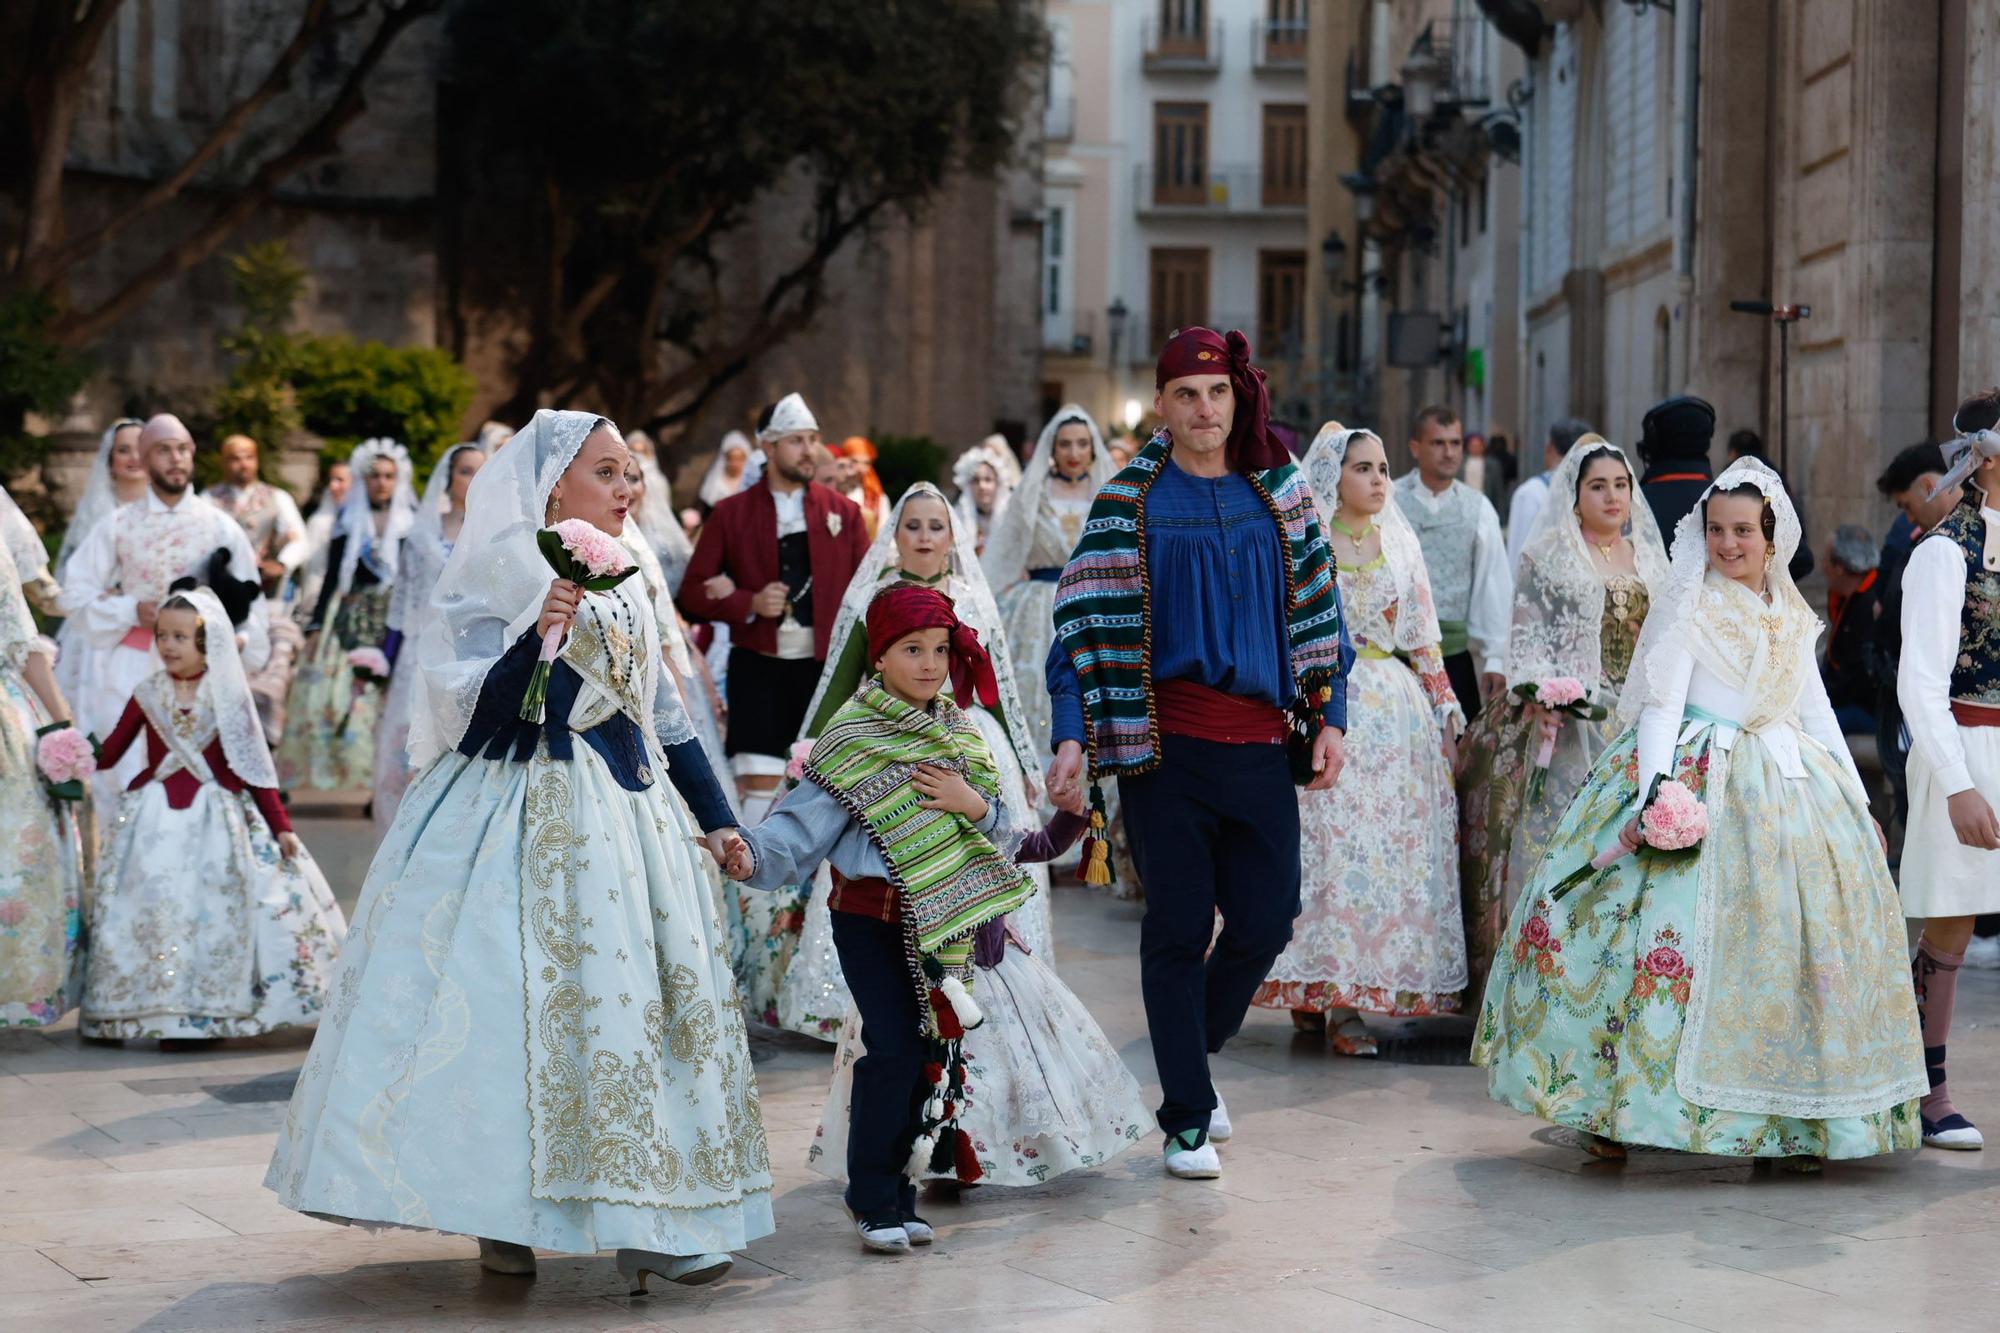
<point>1983,952</point>
<point>1218,1120</point>
<point>1202,1163</point>
<point>919,1231</point>
<point>883,1240</point>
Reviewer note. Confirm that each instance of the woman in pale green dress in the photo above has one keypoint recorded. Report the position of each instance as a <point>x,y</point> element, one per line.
<point>1750,998</point>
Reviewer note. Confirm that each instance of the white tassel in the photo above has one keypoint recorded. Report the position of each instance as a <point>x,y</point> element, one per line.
<point>969,1013</point>
<point>920,1156</point>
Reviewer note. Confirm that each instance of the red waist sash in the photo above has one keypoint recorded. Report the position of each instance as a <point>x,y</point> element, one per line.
<point>1188,709</point>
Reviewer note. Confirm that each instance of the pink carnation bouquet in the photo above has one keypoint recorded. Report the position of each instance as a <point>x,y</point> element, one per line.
<point>1552,699</point>
<point>1671,826</point>
<point>67,759</point>
<point>369,665</point>
<point>584,554</point>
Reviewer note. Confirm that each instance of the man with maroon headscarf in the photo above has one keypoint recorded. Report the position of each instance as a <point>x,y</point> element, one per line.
<point>1200,658</point>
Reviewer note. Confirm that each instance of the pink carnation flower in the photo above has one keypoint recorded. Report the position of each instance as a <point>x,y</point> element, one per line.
<point>65,756</point>
<point>1675,819</point>
<point>596,550</point>
<point>796,769</point>
<point>371,660</point>
<point>1559,691</point>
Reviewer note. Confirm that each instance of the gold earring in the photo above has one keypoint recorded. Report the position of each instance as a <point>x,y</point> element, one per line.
<point>555,508</point>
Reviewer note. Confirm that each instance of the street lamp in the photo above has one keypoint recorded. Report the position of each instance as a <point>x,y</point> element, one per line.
<point>1333,253</point>
<point>1114,326</point>
<point>1422,74</point>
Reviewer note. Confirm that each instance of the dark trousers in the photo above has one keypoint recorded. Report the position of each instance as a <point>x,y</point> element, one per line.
<point>1214,828</point>
<point>889,1089</point>
<point>1464,682</point>
<point>767,702</point>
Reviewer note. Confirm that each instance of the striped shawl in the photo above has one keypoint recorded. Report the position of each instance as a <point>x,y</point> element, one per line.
<point>1103,612</point>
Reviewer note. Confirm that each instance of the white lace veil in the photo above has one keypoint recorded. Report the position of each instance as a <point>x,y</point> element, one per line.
<point>492,587</point>
<point>1672,619</point>
<point>357,518</point>
<point>715,484</point>
<point>1012,535</point>
<point>655,520</point>
<point>971,595</point>
<point>428,525</point>
<point>1558,591</point>
<point>99,496</point>
<point>994,453</point>
<point>228,691</point>
<point>1416,618</point>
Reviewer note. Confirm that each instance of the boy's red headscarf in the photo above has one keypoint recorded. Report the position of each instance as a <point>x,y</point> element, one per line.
<point>1198,351</point>
<point>905,608</point>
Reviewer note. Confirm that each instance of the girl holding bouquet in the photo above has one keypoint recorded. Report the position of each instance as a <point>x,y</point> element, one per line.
<point>539,957</point>
<point>1379,928</point>
<point>337,698</point>
<point>1580,597</point>
<point>208,919</point>
<point>41,869</point>
<point>1748,997</point>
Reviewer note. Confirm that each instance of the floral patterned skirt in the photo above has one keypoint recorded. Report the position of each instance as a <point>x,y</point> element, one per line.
<point>1586,1015</point>
<point>329,741</point>
<point>41,874</point>
<point>1379,927</point>
<point>1501,832</point>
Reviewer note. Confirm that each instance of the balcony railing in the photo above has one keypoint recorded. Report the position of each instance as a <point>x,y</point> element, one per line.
<point>1160,190</point>
<point>1194,48</point>
<point>1059,120</point>
<point>1279,47</point>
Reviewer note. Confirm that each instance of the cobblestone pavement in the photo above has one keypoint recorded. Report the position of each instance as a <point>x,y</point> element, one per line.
<point>1356,1195</point>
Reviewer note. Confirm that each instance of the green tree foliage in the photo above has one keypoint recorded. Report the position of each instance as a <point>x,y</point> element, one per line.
<point>904,460</point>
<point>647,132</point>
<point>336,388</point>
<point>36,375</point>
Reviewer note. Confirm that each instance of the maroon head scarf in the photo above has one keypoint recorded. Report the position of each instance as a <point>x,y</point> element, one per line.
<point>1198,351</point>
<point>905,608</point>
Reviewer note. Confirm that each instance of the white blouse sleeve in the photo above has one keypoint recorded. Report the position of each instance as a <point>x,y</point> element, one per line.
<point>1660,722</point>
<point>1816,719</point>
<point>1491,615</point>
<point>1933,596</point>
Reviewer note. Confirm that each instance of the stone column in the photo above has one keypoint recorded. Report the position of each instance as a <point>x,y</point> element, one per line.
<point>1979,245</point>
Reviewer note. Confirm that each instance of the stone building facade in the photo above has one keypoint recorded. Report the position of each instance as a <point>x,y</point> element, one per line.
<point>1839,154</point>
<point>930,329</point>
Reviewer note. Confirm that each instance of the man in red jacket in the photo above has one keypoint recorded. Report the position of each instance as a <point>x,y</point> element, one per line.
<point>773,562</point>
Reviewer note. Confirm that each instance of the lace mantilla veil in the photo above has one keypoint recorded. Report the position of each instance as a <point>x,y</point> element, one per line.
<point>971,595</point>
<point>1558,591</point>
<point>357,520</point>
<point>228,691</point>
<point>1673,620</point>
<point>1322,465</point>
<point>492,589</point>
<point>1013,533</point>
<point>99,496</point>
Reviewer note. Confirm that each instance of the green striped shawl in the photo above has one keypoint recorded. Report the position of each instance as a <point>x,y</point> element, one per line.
<point>1103,611</point>
<point>952,880</point>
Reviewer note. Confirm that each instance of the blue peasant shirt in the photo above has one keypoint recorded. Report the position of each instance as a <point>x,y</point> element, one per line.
<point>1215,572</point>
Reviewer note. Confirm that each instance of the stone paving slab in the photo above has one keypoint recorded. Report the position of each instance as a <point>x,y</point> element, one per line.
<point>1357,1195</point>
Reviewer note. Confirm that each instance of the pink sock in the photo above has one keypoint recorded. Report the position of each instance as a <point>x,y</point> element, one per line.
<point>1935,974</point>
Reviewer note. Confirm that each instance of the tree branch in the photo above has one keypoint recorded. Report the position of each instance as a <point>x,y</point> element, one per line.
<point>53,98</point>
<point>321,139</point>
<point>317,19</point>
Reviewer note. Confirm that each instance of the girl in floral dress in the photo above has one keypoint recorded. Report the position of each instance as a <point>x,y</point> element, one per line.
<point>42,864</point>
<point>330,744</point>
<point>1379,927</point>
<point>1751,997</point>
<point>419,561</point>
<point>208,919</point>
<point>1580,597</point>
